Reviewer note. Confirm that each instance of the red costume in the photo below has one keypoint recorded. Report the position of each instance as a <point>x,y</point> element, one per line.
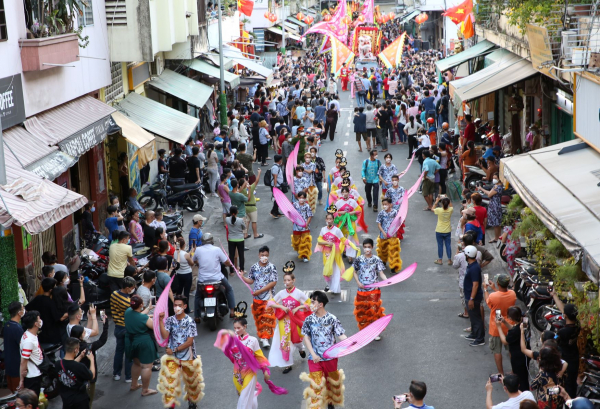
<point>344,78</point>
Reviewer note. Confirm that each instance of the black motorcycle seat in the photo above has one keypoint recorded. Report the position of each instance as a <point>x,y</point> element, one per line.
<point>539,271</point>
<point>187,186</point>
<point>542,290</point>
<point>50,347</point>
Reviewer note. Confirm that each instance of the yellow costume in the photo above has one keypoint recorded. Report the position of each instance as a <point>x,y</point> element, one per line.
<point>172,370</point>
<point>388,250</point>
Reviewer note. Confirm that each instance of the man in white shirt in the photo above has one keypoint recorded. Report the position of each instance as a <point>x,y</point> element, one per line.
<point>511,387</point>
<point>208,258</point>
<point>75,316</point>
<point>31,353</point>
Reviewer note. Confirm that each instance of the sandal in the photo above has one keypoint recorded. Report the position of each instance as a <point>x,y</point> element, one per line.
<point>247,237</point>
<point>493,241</point>
<point>135,388</point>
<point>462,315</point>
<point>260,236</point>
<point>149,392</point>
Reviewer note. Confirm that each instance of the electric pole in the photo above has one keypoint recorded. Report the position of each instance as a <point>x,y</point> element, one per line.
<point>222,96</point>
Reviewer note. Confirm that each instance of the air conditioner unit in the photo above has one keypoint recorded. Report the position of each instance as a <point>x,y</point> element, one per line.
<point>157,66</point>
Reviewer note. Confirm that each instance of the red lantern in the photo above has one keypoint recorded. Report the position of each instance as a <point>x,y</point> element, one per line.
<point>300,16</point>
<point>361,18</point>
<point>306,20</point>
<point>311,19</point>
<point>391,15</point>
<point>273,18</point>
<point>268,15</point>
<point>425,17</point>
<point>419,19</point>
<point>327,17</point>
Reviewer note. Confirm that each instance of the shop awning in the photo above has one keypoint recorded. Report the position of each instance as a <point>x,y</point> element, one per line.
<point>457,59</point>
<point>210,70</point>
<point>495,56</point>
<point>193,92</point>
<point>409,16</point>
<point>33,202</point>
<point>237,56</point>
<point>227,63</point>
<point>158,118</point>
<point>509,70</point>
<point>137,136</point>
<point>24,150</point>
<point>292,26</point>
<point>278,31</point>
<point>560,184</point>
<point>294,20</point>
<point>76,127</point>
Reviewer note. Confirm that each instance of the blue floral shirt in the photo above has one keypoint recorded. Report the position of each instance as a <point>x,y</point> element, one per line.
<point>395,194</point>
<point>322,332</point>
<point>179,332</point>
<point>386,173</point>
<point>305,212</point>
<point>311,176</point>
<point>262,276</point>
<point>300,184</point>
<point>367,269</point>
<point>385,219</point>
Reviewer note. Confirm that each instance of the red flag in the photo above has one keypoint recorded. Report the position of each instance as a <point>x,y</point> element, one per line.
<point>467,30</point>
<point>459,13</point>
<point>246,7</point>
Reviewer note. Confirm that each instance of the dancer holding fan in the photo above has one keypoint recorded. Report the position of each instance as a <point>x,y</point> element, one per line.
<point>396,194</point>
<point>291,309</point>
<point>388,247</point>
<point>326,382</point>
<point>301,238</point>
<point>348,213</point>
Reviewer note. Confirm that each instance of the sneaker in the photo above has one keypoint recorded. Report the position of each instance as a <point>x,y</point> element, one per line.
<point>287,370</point>
<point>375,209</point>
<point>477,343</point>
<point>117,378</point>
<point>378,338</point>
<point>265,343</point>
<point>192,405</point>
<point>326,289</point>
<point>320,202</point>
<point>305,259</point>
<point>469,337</point>
<point>128,380</point>
<point>302,354</point>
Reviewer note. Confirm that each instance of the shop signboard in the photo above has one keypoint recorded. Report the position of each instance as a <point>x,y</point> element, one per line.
<point>12,104</point>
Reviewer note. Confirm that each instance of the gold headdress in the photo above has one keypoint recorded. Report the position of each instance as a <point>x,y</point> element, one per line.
<point>339,153</point>
<point>332,209</point>
<point>289,267</point>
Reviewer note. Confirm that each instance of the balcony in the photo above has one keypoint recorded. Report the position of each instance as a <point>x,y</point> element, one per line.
<point>578,39</point>
<point>39,54</point>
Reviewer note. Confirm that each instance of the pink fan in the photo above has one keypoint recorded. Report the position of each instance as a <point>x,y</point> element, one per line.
<point>162,305</point>
<point>239,274</point>
<point>358,340</point>
<point>292,161</point>
<point>287,208</point>
<point>398,278</point>
<point>403,211</point>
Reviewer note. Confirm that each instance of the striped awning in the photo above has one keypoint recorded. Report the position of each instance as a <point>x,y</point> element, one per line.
<point>137,136</point>
<point>208,70</point>
<point>76,127</point>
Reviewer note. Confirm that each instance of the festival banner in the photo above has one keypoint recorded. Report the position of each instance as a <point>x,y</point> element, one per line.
<point>368,11</point>
<point>325,46</point>
<point>392,55</point>
<point>340,54</point>
<point>337,27</point>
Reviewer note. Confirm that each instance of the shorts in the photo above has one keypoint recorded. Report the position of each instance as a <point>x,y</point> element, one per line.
<point>361,134</point>
<point>251,216</point>
<point>496,345</point>
<point>428,187</point>
<point>226,206</point>
<point>324,366</point>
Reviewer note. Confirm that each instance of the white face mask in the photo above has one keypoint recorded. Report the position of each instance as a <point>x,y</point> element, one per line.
<point>375,157</point>
<point>299,174</point>
<point>314,308</point>
<point>41,324</point>
<point>67,281</point>
<point>313,154</point>
<point>178,310</point>
<point>289,139</point>
<point>395,182</point>
<point>388,160</point>
<point>264,259</point>
<point>302,200</point>
<point>385,207</point>
<point>306,160</point>
<point>494,181</point>
<point>368,250</point>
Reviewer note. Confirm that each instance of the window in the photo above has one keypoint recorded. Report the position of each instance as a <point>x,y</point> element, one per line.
<point>87,19</point>
<point>3,30</point>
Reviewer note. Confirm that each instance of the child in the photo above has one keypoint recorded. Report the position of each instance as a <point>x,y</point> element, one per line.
<point>301,238</point>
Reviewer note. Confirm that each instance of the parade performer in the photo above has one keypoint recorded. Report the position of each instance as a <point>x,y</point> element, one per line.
<point>301,182</point>
<point>388,248</point>
<point>344,77</point>
<point>291,309</point>
<point>396,194</point>
<point>347,215</point>
<point>264,277</point>
<point>312,192</point>
<point>181,360</point>
<point>332,243</point>
<point>335,171</point>
<point>386,171</point>
<point>301,238</point>
<point>244,352</point>
<point>367,304</point>
<point>344,174</point>
<point>326,382</point>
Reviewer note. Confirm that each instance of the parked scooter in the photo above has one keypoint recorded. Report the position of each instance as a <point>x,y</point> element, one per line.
<point>189,196</point>
<point>50,381</point>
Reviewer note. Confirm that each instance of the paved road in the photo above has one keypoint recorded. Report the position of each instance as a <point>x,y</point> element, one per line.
<point>423,341</point>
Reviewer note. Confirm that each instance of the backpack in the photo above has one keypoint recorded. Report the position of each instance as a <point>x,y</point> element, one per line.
<point>364,168</point>
<point>268,181</point>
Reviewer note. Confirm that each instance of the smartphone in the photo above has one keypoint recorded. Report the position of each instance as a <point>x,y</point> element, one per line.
<point>400,398</point>
<point>498,314</point>
<point>553,391</point>
<point>486,278</point>
<point>525,322</point>
<point>102,314</point>
<point>496,377</point>
<point>464,201</point>
<point>153,300</point>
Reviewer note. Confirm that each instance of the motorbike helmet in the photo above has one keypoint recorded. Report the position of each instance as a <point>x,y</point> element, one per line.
<point>445,126</point>
<point>207,238</point>
<point>580,403</point>
<point>471,251</point>
<point>430,120</point>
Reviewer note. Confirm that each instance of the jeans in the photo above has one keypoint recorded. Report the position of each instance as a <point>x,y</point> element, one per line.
<point>228,294</point>
<point>401,134</point>
<point>120,334</point>
<point>319,186</point>
<point>330,126</point>
<point>443,175</point>
<point>382,136</point>
<point>412,145</point>
<point>477,327</point>
<point>441,239</point>
<point>360,99</point>
<point>374,197</point>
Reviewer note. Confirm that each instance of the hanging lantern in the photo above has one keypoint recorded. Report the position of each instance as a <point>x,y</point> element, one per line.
<point>391,15</point>
<point>327,17</point>
<point>300,16</point>
<point>419,19</point>
<point>311,19</point>
<point>273,18</point>
<point>425,17</point>
<point>306,20</point>
<point>268,15</point>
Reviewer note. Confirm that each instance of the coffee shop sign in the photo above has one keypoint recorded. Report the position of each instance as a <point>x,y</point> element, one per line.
<point>86,139</point>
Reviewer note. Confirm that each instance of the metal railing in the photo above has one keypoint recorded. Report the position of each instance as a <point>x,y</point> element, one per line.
<point>578,37</point>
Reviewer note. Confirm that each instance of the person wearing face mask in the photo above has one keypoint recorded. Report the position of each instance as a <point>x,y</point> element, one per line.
<point>88,223</point>
<point>301,183</point>
<point>494,218</point>
<point>388,246</point>
<point>396,194</point>
<point>386,172</point>
<point>332,243</point>
<point>31,353</point>
<point>348,212</point>
<point>367,304</point>
<point>181,360</point>
<point>12,334</point>
<point>320,330</point>
<point>335,171</point>
<point>119,302</point>
<point>287,147</point>
<point>79,333</point>
<point>263,276</point>
<point>309,172</point>
<point>75,376</point>
<point>75,316</point>
<point>344,174</point>
<point>289,303</point>
<point>318,172</point>
<point>370,177</point>
<point>120,254</point>
<point>301,237</point>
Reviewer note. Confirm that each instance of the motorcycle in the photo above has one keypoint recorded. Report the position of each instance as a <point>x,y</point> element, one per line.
<point>50,381</point>
<point>538,298</point>
<point>8,401</point>
<point>213,303</point>
<point>474,175</point>
<point>189,196</point>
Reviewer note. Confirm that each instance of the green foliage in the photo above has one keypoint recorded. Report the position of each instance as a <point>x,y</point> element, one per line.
<point>522,12</point>
<point>9,289</point>
<point>530,224</point>
<point>516,204</point>
<point>83,41</point>
<point>555,248</point>
<point>566,275</point>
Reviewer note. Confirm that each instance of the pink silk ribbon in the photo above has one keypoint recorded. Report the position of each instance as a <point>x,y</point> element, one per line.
<point>403,275</point>
<point>291,165</point>
<point>237,272</point>
<point>287,208</point>
<point>358,340</point>
<point>162,305</point>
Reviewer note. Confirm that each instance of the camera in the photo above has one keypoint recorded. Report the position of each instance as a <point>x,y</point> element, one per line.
<point>525,322</point>
<point>498,314</point>
<point>553,391</point>
<point>496,377</point>
<point>102,314</point>
<point>486,278</point>
<point>400,398</point>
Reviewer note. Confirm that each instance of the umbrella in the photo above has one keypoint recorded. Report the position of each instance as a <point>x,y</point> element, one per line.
<point>358,340</point>
<point>287,208</point>
<point>398,278</point>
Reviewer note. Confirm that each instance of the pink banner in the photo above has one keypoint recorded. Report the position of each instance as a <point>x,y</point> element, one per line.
<point>398,278</point>
<point>291,165</point>
<point>162,305</point>
<point>367,12</point>
<point>287,208</point>
<point>336,27</point>
<point>358,340</point>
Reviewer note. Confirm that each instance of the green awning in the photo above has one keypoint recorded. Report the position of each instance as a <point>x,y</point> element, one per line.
<point>193,92</point>
<point>470,53</point>
<point>495,56</point>
<point>157,118</point>
<point>210,70</point>
<point>409,16</point>
<point>297,22</point>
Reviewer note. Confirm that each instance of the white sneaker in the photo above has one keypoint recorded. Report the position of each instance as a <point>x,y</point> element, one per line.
<point>265,343</point>
<point>377,338</point>
<point>117,378</point>
<point>305,260</point>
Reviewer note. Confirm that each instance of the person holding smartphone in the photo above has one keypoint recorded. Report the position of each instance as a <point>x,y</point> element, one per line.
<point>414,397</point>
<point>512,339</point>
<point>75,376</point>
